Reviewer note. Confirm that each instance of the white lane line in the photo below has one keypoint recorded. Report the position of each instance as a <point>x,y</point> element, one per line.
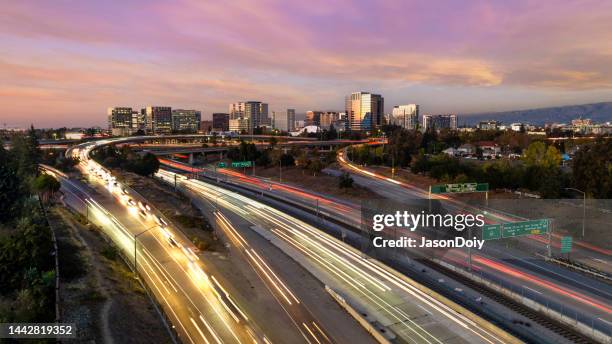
<point>533,290</point>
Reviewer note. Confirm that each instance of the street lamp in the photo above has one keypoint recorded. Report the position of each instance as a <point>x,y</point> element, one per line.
<point>583,207</point>
<point>135,252</point>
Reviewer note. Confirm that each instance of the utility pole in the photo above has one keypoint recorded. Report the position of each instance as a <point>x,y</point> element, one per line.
<point>136,252</point>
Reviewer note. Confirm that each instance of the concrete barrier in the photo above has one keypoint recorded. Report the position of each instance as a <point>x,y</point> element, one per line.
<point>360,319</point>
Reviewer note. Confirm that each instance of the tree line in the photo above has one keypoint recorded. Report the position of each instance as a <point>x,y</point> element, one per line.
<point>26,265</point>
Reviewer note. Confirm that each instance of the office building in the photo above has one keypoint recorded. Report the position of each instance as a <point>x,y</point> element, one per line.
<point>120,121</point>
<point>206,126</point>
<point>438,122</point>
<point>186,121</point>
<point>313,117</point>
<point>327,119</point>
<point>158,120</point>
<point>239,125</point>
<point>290,125</point>
<point>406,116</point>
<point>364,111</point>
<point>256,113</point>
<point>488,125</point>
<point>220,121</point>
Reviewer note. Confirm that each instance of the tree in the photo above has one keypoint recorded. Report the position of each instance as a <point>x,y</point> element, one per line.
<point>537,154</point>
<point>315,166</point>
<point>148,165</point>
<point>27,154</point>
<point>345,181</point>
<point>10,187</point>
<point>592,169</point>
<point>45,186</point>
<point>287,160</point>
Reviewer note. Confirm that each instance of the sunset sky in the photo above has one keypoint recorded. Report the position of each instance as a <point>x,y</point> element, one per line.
<point>62,63</point>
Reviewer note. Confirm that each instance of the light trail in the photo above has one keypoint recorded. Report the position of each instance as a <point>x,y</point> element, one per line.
<point>304,232</point>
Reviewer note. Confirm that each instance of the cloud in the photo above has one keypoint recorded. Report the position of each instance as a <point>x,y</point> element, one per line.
<point>209,53</point>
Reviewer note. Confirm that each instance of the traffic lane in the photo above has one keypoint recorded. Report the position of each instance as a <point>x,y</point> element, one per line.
<point>393,310</point>
<point>216,322</point>
<point>332,319</point>
<point>581,247</point>
<point>176,313</point>
<point>284,295</point>
<point>569,301</point>
<point>544,269</point>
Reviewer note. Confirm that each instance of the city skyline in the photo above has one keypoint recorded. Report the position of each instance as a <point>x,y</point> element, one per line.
<point>65,64</point>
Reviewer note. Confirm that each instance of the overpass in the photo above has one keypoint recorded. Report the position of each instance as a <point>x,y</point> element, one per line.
<point>191,149</point>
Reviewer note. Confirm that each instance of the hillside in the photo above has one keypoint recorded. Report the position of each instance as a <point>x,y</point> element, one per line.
<point>598,112</point>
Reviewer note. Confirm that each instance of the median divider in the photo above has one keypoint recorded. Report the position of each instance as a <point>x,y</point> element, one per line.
<point>479,321</point>
<point>362,320</point>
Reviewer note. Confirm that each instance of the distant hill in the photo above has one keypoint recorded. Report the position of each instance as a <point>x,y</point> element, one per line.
<point>598,112</point>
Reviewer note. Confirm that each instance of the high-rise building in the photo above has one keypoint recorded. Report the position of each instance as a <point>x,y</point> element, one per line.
<point>440,122</point>
<point>206,126</point>
<point>327,119</point>
<point>290,120</point>
<point>255,112</point>
<point>364,111</point>
<point>186,121</point>
<point>220,121</point>
<point>119,120</point>
<point>313,117</point>
<point>158,120</point>
<point>406,116</point>
<point>239,125</point>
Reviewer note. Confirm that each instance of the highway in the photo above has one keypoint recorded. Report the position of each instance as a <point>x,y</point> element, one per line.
<point>199,307</point>
<point>389,297</point>
<point>585,299</point>
<point>566,292</point>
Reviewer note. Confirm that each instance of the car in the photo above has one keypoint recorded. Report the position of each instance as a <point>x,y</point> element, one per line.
<point>142,214</point>
<point>131,202</point>
<point>173,242</point>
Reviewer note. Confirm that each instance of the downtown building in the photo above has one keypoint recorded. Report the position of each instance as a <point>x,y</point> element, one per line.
<point>438,122</point>
<point>327,119</point>
<point>405,116</point>
<point>290,120</point>
<point>186,121</point>
<point>158,120</point>
<point>364,111</point>
<point>123,121</point>
<point>220,121</point>
<point>253,113</point>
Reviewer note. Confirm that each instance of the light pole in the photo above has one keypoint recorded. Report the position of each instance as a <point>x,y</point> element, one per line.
<point>135,252</point>
<point>583,207</point>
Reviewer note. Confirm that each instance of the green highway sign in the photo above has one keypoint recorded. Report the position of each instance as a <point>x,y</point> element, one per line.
<point>459,188</point>
<point>221,165</point>
<point>566,244</point>
<point>514,229</point>
<point>241,164</point>
<point>490,232</point>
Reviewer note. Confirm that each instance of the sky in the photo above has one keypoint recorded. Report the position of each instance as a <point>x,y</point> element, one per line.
<point>62,63</point>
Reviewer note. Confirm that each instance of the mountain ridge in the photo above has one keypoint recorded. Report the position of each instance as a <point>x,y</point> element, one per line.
<point>597,112</point>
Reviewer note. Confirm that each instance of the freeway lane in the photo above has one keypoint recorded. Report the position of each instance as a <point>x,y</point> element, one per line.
<point>181,288</point>
<point>575,295</point>
<point>389,297</point>
<point>567,292</point>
